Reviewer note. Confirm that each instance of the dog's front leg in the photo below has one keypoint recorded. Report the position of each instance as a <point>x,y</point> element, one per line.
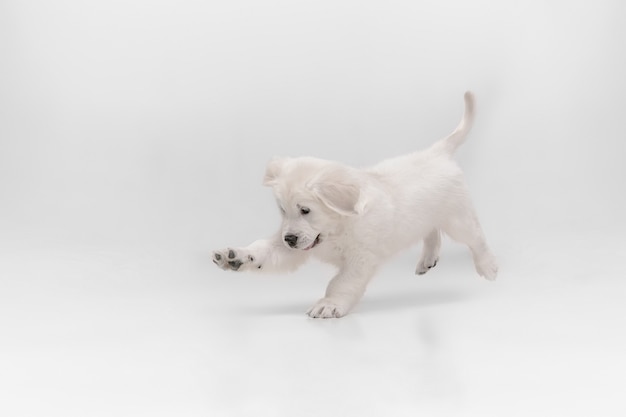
<point>270,255</point>
<point>345,290</point>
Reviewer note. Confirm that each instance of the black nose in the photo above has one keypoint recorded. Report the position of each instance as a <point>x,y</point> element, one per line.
<point>291,240</point>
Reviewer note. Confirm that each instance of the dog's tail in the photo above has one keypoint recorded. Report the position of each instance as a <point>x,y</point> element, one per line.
<point>449,144</point>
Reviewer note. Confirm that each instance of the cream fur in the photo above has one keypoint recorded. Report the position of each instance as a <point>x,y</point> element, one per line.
<point>358,218</point>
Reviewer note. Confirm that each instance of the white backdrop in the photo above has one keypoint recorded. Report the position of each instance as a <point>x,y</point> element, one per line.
<point>135,120</point>
<point>134,135</point>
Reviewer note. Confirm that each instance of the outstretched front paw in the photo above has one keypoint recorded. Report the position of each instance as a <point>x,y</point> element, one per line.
<point>234,259</point>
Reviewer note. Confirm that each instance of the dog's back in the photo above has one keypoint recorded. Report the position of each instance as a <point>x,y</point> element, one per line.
<point>422,189</point>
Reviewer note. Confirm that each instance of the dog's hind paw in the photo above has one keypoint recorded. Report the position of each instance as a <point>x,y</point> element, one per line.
<point>487,267</point>
<point>424,266</point>
<point>233,259</point>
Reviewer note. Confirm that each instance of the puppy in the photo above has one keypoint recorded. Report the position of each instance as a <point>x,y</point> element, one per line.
<point>356,219</point>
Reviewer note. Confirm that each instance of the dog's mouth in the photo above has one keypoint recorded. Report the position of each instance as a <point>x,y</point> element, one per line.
<point>314,244</point>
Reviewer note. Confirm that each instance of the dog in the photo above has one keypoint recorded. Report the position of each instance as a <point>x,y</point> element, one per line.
<point>356,219</point>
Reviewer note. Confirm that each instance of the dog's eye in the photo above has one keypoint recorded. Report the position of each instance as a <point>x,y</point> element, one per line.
<point>304,210</point>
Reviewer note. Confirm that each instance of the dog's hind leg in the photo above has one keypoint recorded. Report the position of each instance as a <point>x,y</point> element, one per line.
<point>465,228</point>
<point>430,252</point>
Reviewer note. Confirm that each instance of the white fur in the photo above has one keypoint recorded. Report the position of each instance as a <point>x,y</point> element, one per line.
<point>364,216</point>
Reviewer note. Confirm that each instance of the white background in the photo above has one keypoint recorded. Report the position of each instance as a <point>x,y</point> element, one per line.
<point>133,139</point>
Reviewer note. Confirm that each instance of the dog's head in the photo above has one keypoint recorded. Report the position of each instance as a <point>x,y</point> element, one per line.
<point>314,196</point>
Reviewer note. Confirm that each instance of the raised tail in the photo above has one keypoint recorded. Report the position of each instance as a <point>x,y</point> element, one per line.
<point>455,139</point>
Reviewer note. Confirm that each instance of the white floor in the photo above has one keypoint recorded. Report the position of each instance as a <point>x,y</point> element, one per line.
<point>110,331</point>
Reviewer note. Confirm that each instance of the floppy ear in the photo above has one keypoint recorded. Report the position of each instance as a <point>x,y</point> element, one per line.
<point>338,190</point>
<point>273,170</point>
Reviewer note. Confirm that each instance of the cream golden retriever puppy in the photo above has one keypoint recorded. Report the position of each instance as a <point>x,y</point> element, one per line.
<point>356,219</point>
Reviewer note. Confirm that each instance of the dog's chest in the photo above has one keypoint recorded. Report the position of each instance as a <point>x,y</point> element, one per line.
<point>330,252</point>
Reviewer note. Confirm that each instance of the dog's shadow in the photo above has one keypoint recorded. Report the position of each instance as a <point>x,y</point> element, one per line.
<point>410,300</point>
<point>373,303</point>
<point>275,310</point>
